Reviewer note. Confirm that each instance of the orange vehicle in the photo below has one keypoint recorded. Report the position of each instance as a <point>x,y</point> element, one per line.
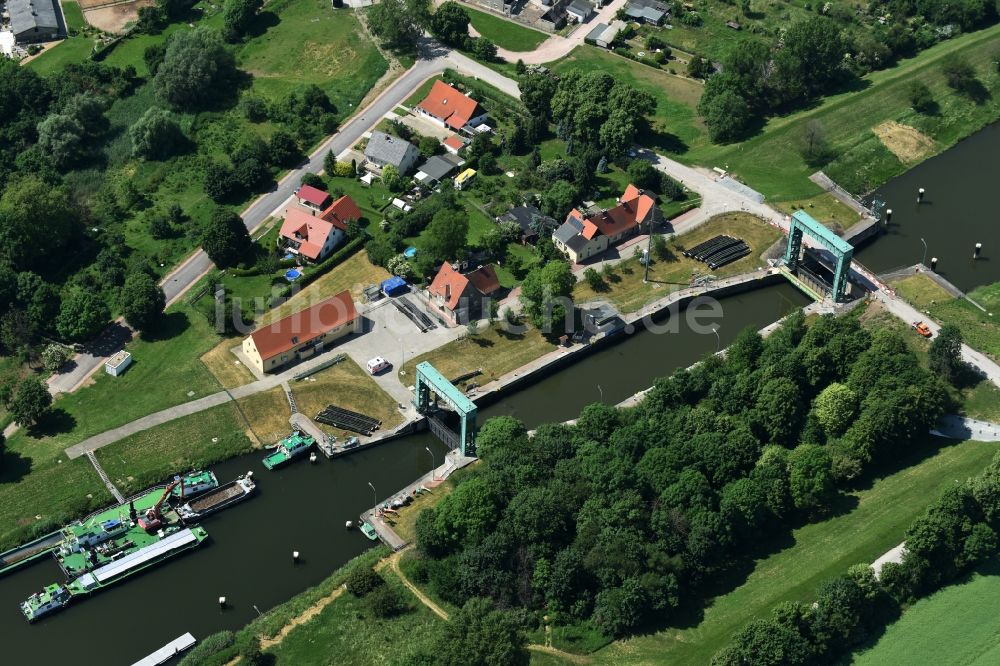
<point>922,328</point>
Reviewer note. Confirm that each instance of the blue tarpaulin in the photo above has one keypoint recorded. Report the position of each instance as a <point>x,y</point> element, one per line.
<point>394,286</point>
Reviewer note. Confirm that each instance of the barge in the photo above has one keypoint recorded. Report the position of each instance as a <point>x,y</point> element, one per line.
<point>29,552</point>
<point>218,499</point>
<point>194,484</point>
<point>288,449</point>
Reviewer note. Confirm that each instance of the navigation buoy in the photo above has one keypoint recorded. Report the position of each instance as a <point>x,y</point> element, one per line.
<point>222,602</point>
<point>349,525</point>
<point>979,248</point>
<point>920,195</point>
<point>312,457</point>
<point>888,215</point>
<point>933,263</point>
<point>295,556</point>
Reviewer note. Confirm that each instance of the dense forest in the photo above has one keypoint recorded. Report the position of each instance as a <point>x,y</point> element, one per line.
<point>621,518</point>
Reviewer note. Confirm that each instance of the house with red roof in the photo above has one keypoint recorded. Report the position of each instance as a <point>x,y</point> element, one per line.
<point>312,197</point>
<point>449,108</point>
<point>461,298</point>
<point>301,335</point>
<point>314,236</point>
<point>585,235</point>
<point>455,144</point>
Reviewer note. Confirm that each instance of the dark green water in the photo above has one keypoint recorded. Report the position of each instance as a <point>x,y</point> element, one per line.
<point>303,507</point>
<point>959,210</point>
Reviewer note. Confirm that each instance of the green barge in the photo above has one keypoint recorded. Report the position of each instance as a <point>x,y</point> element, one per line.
<point>288,449</point>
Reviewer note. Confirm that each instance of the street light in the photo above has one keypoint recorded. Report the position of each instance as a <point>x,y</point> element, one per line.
<point>433,466</point>
<point>373,492</point>
<point>924,260</point>
<point>602,393</point>
<point>718,340</point>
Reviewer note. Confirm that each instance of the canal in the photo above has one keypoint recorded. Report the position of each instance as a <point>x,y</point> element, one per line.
<point>303,507</point>
<point>958,211</point>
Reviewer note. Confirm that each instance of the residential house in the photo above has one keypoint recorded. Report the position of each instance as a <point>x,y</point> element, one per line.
<point>463,298</point>
<point>455,144</point>
<point>303,334</point>
<point>384,150</point>
<point>601,319</point>
<point>35,20</point>
<point>650,12</point>
<point>437,167</point>
<point>579,11</point>
<point>450,108</point>
<point>312,197</point>
<point>603,35</point>
<point>315,237</point>
<point>529,219</point>
<point>584,235</point>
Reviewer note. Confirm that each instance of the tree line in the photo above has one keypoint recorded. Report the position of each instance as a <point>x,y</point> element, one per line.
<point>619,520</point>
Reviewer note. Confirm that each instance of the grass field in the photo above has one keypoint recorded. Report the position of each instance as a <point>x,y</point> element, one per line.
<point>921,291</point>
<point>980,330</point>
<point>771,162</point>
<point>345,385</point>
<point>871,520</point>
<point>406,519</point>
<point>223,365</point>
<point>73,15</point>
<point>195,441</point>
<point>492,350</point>
<point>628,291</point>
<point>267,415</point>
<point>957,625</point>
<point>505,34</point>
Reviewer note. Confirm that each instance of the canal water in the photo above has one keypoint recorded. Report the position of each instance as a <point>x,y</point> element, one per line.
<point>248,557</point>
<point>960,209</point>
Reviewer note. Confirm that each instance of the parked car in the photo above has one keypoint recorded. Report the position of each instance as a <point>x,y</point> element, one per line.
<point>377,365</point>
<point>922,328</point>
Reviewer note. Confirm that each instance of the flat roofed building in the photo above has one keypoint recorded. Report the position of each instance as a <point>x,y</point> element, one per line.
<point>35,20</point>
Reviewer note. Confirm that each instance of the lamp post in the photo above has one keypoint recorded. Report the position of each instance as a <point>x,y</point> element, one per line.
<point>373,493</point>
<point>433,466</point>
<point>601,392</point>
<point>924,260</point>
<point>718,340</point>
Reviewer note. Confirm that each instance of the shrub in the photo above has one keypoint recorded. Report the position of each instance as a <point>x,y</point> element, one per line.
<point>313,180</point>
<point>362,581</point>
<point>385,601</point>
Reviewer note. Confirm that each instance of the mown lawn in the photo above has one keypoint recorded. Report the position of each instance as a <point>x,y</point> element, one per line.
<point>980,330</point>
<point>871,520</point>
<point>505,34</point>
<point>492,350</point>
<point>266,414</point>
<point>771,162</point>
<point>191,442</point>
<point>345,385</point>
<point>73,15</point>
<point>921,291</point>
<point>956,625</point>
<point>627,290</point>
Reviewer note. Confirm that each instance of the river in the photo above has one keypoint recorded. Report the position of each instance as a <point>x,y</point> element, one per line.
<point>958,211</point>
<point>248,557</point>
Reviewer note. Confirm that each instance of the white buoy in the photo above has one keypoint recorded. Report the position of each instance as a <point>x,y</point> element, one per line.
<point>222,602</point>
<point>920,195</point>
<point>933,263</point>
<point>979,248</point>
<point>349,525</point>
<point>312,457</point>
<point>888,215</point>
<point>295,556</point>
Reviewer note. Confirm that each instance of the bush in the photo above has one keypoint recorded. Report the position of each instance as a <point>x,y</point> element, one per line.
<point>362,581</point>
<point>207,647</point>
<point>312,180</point>
<point>385,601</point>
<point>54,355</point>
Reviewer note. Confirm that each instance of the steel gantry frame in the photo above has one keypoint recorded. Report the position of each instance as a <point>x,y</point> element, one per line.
<point>430,380</point>
<point>842,251</point>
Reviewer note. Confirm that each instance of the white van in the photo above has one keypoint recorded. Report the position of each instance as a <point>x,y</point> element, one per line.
<point>377,365</point>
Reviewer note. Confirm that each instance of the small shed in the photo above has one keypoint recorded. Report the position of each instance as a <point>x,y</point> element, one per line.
<point>117,364</point>
<point>394,286</point>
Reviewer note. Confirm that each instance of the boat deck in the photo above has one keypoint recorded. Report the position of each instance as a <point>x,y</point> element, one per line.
<point>23,554</point>
<point>216,497</point>
<point>168,651</point>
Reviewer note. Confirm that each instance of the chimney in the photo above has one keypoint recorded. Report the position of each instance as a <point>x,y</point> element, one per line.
<point>447,292</point>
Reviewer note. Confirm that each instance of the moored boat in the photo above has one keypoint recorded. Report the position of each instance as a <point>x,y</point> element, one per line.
<point>53,598</point>
<point>288,449</point>
<point>218,499</point>
<point>194,484</point>
<point>369,531</point>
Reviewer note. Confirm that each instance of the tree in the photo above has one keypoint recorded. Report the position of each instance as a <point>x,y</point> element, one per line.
<point>558,200</point>
<point>248,648</point>
<point>809,477</point>
<point>960,75</point>
<point>813,146</point>
<point>196,69</point>
<point>362,581</point>
<point>399,23</point>
<point>142,301</point>
<point>643,175</point>
<point>545,294</point>
<point>153,57</point>
<point>480,634</point>
<point>82,315</point>
<point>392,179</point>
<point>765,643</point>
<point>54,356</point>
<point>61,137</point>
<point>835,407</point>
<point>494,243</point>
<point>30,402</point>
<point>283,148</point>
<point>225,239</point>
<point>155,135</point>
<point>921,98</point>
<point>237,16</point>
<point>429,146</point>
<point>450,23</point>
<point>446,235</point>
<point>385,601</point>
<point>484,49</point>
<point>329,163</point>
<point>945,353</point>
<point>726,112</point>
<point>594,280</point>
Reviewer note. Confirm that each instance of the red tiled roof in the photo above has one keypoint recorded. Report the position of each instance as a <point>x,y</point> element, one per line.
<point>304,325</point>
<point>454,142</point>
<point>309,231</point>
<point>484,279</point>
<point>313,195</point>
<point>449,284</point>
<point>450,106</point>
<point>341,211</point>
<point>633,208</point>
